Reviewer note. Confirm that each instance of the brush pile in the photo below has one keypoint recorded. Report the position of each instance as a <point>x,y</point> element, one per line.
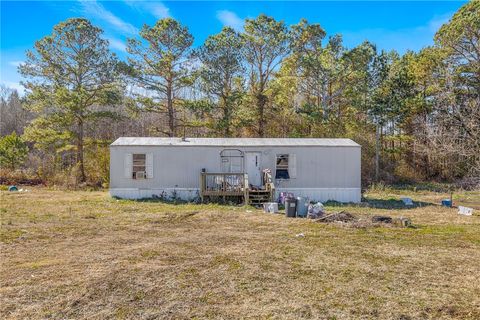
<point>342,216</point>
<point>350,220</point>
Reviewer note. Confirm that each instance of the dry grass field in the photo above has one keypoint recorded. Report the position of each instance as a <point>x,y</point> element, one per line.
<point>79,255</point>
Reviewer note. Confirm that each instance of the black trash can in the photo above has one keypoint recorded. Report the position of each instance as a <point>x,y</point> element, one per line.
<point>290,207</point>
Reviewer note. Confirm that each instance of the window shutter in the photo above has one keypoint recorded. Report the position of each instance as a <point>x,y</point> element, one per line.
<point>149,165</point>
<point>292,165</point>
<point>127,164</point>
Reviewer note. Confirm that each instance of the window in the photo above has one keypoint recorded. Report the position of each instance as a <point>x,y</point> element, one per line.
<point>139,166</point>
<point>281,171</point>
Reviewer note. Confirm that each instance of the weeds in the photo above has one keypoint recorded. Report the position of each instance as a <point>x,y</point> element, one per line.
<point>85,255</point>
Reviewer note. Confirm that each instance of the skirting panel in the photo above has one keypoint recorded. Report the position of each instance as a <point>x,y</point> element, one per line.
<point>324,194</point>
<point>314,194</point>
<point>167,193</point>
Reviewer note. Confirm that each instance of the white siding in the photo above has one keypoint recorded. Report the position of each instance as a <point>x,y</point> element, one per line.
<point>292,165</point>
<point>127,165</point>
<point>149,165</point>
<point>329,170</point>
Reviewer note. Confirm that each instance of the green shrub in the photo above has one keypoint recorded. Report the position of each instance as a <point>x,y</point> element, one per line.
<point>13,151</point>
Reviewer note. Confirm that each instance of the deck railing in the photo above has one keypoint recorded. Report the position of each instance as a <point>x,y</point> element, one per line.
<point>223,184</point>
<point>235,184</point>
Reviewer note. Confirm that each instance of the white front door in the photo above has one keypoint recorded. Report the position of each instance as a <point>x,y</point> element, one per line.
<point>252,166</point>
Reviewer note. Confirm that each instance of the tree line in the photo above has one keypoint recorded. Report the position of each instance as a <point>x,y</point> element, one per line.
<point>416,115</point>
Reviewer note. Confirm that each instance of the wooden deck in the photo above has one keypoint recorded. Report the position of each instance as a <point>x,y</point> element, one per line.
<point>235,185</point>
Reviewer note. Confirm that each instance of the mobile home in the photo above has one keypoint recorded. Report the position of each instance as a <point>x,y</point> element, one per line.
<point>193,168</point>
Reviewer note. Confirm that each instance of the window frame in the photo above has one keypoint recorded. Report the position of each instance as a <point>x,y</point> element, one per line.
<point>283,167</point>
<point>136,166</point>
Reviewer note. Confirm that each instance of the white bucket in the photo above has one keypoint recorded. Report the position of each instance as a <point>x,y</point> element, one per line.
<point>270,207</point>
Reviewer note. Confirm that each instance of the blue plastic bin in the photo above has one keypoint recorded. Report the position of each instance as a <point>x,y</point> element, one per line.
<point>447,203</point>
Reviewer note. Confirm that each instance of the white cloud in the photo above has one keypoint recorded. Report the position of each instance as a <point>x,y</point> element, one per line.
<point>117,44</point>
<point>156,9</point>
<point>95,9</point>
<point>14,85</point>
<point>15,64</point>
<point>230,19</point>
<point>437,21</point>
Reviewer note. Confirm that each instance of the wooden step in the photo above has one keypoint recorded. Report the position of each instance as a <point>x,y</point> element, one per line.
<point>257,197</point>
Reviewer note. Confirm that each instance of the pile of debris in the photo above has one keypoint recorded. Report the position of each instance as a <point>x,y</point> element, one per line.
<point>349,219</point>
<point>382,219</point>
<point>315,211</point>
<point>398,222</point>
<point>342,216</point>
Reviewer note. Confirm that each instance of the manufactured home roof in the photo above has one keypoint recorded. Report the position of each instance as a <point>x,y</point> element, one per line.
<point>233,142</point>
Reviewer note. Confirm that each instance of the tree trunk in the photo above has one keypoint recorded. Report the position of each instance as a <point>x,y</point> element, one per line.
<point>170,109</point>
<point>80,160</point>
<point>226,117</point>
<point>261,101</point>
<point>377,152</point>
<point>325,105</point>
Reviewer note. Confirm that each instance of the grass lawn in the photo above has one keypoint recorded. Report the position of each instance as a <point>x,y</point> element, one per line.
<point>72,254</point>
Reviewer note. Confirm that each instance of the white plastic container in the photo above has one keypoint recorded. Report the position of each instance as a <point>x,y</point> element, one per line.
<point>466,211</point>
<point>270,207</point>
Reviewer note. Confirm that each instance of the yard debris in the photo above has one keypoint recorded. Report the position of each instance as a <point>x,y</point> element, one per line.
<point>402,222</point>
<point>382,219</point>
<point>407,201</point>
<point>342,216</point>
<point>466,211</point>
<point>351,220</point>
<point>283,196</point>
<point>315,211</point>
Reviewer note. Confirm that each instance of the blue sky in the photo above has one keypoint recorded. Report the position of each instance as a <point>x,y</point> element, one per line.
<point>391,25</point>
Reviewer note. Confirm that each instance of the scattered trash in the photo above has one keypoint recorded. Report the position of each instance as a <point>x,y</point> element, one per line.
<point>382,219</point>
<point>270,207</point>
<point>283,196</point>
<point>447,203</point>
<point>466,211</point>
<point>315,210</point>
<point>407,201</point>
<point>342,216</point>
<point>300,235</point>
<point>12,188</point>
<point>248,211</point>
<point>403,222</point>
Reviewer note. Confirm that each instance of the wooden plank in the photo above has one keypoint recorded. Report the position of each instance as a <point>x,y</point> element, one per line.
<point>223,193</point>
